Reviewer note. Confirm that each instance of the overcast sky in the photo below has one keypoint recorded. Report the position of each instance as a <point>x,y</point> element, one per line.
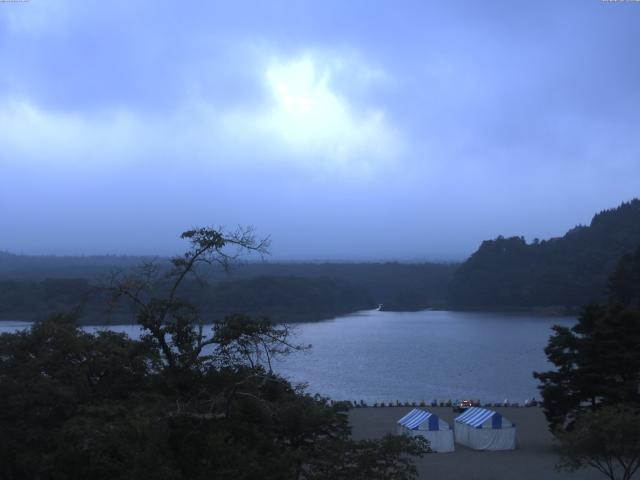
<point>345,130</point>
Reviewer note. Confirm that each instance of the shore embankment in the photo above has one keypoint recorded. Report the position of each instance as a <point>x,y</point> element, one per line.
<point>534,459</point>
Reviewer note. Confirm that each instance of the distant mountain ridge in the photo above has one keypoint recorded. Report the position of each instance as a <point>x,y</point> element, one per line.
<point>564,272</point>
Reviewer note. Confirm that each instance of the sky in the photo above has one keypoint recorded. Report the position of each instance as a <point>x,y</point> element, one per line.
<point>400,130</point>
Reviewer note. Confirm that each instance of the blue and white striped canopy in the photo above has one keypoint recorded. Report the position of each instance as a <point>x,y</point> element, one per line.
<point>416,417</point>
<point>476,416</point>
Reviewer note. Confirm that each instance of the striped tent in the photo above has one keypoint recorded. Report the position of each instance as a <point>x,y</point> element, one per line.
<point>430,426</point>
<point>484,429</point>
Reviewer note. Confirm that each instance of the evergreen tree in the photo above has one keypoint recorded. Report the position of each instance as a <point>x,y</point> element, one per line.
<point>597,360</point>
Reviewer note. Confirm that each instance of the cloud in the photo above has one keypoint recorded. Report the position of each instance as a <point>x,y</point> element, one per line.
<point>30,133</point>
<point>315,123</point>
<point>302,120</point>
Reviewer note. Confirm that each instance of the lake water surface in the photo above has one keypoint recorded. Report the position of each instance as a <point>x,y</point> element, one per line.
<point>388,356</point>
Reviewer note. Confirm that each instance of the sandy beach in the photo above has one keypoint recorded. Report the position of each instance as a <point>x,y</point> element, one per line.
<point>534,459</point>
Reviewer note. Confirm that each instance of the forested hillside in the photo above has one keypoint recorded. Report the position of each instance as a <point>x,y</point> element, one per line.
<point>280,298</point>
<point>33,286</point>
<point>285,298</point>
<point>561,272</point>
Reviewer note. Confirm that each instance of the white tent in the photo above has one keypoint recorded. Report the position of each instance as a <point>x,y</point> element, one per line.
<point>430,426</point>
<point>483,429</point>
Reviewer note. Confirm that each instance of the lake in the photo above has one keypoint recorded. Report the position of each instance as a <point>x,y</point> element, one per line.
<point>413,356</point>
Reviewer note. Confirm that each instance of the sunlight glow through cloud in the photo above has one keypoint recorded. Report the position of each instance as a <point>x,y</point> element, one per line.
<point>302,121</point>
<point>313,119</point>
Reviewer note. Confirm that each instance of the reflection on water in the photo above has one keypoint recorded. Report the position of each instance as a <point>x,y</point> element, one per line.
<point>386,356</point>
<point>423,355</point>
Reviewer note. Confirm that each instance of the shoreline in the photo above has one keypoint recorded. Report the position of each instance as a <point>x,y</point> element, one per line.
<point>118,319</point>
<point>127,319</point>
<point>534,458</point>
<point>556,311</point>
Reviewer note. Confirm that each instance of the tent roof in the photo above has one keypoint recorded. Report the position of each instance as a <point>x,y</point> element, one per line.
<point>415,418</point>
<point>475,416</point>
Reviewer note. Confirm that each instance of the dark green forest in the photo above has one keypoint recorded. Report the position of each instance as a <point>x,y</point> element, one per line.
<point>560,273</point>
<point>31,287</point>
<point>280,298</point>
<point>557,275</point>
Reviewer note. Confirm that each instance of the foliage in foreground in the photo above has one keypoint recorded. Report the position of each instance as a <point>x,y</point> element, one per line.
<point>592,399</point>
<point>79,405</point>
<point>607,440</point>
<point>180,403</point>
<point>598,359</point>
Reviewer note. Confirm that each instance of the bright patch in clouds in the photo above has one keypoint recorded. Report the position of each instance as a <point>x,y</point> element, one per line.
<point>314,124</point>
<point>303,121</point>
<point>312,118</point>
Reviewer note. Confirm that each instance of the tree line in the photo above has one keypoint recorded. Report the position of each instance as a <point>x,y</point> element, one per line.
<point>559,274</point>
<point>280,298</point>
<point>282,291</point>
<point>565,272</point>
